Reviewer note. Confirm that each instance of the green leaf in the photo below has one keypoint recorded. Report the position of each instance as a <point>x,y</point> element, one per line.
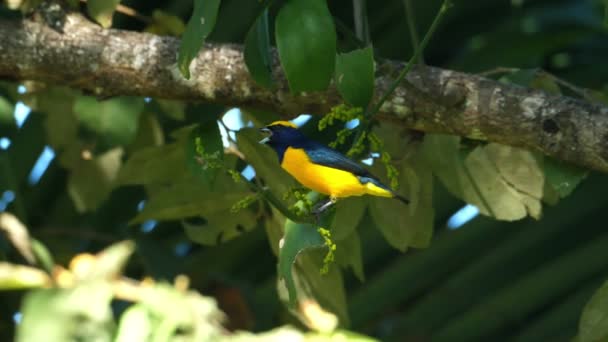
<point>348,254</point>
<point>172,315</point>
<point>257,51</point>
<point>190,198</point>
<point>102,11</point>
<point>135,325</point>
<point>7,110</point>
<point>114,120</point>
<point>355,76</point>
<point>87,194</point>
<point>220,227</point>
<point>265,162</point>
<point>298,238</point>
<point>149,133</point>
<point>502,181</point>
<point>19,277</point>
<point>563,177</point>
<point>205,151</point>
<point>110,262</point>
<point>593,325</point>
<point>306,40</point>
<point>151,165</point>
<point>349,213</point>
<point>59,314</point>
<point>199,26</point>
<point>165,24</point>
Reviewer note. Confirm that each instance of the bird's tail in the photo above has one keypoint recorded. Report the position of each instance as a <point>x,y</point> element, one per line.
<point>401,198</point>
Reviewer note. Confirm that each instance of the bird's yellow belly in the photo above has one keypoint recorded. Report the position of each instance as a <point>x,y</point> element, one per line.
<point>323,179</point>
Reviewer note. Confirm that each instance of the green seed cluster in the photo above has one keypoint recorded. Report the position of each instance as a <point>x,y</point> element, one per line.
<point>330,257</point>
<point>243,203</point>
<point>206,160</point>
<point>341,112</point>
<point>303,204</point>
<point>236,176</point>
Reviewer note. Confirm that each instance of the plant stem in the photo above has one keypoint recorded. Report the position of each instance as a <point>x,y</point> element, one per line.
<point>411,24</point>
<point>447,4</point>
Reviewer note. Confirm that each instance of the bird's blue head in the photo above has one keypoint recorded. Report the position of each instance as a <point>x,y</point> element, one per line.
<point>281,135</point>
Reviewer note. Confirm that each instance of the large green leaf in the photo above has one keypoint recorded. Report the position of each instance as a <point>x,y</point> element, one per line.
<point>199,26</point>
<point>257,51</point>
<point>306,40</point>
<point>355,76</point>
<point>114,120</point>
<point>298,238</point>
<point>220,227</point>
<point>188,197</point>
<point>563,177</point>
<point>509,180</point>
<point>91,181</point>
<point>593,325</point>
<point>348,254</point>
<point>153,165</point>
<point>349,213</point>
<point>503,182</point>
<point>102,11</point>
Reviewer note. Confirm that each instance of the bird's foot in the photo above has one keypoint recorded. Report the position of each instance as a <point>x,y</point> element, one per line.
<point>321,206</point>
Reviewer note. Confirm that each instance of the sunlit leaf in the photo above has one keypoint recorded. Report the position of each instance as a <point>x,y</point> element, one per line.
<point>355,76</point>
<point>502,181</point>
<point>17,234</point>
<point>59,314</point>
<point>492,177</point>
<point>199,26</point>
<point>18,277</point>
<point>306,40</point>
<point>135,325</point>
<point>593,325</point>
<point>298,238</point>
<point>102,11</point>
<point>257,51</point>
<point>110,262</point>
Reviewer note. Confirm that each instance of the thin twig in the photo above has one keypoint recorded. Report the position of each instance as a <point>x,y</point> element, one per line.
<point>447,4</point>
<point>411,24</point>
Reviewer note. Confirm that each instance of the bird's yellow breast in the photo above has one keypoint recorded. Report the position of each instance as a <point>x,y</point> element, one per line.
<point>324,179</point>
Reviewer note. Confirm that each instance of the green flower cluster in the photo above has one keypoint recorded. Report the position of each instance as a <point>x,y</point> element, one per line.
<point>330,257</point>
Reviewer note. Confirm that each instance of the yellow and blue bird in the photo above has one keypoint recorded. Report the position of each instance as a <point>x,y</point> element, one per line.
<point>321,168</point>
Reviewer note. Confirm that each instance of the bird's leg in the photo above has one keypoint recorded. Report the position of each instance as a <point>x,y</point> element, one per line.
<point>320,207</point>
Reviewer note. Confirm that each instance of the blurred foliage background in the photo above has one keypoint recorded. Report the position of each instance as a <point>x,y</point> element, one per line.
<point>83,175</point>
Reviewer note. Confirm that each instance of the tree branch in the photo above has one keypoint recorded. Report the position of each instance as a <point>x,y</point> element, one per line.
<point>114,62</point>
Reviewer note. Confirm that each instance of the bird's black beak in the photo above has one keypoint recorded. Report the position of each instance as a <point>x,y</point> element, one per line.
<point>265,131</point>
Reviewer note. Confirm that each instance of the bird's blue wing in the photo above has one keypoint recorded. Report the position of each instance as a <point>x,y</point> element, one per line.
<point>323,155</point>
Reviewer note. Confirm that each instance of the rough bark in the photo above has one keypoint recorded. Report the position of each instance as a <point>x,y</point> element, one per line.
<point>114,62</point>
